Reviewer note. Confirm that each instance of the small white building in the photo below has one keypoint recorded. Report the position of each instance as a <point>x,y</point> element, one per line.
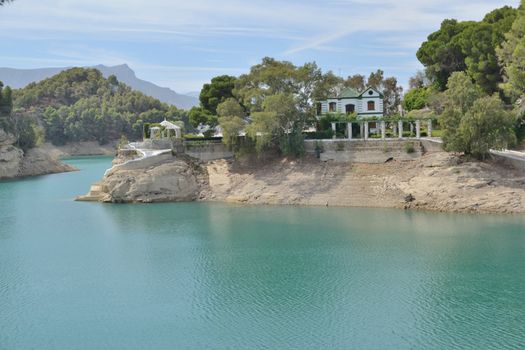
<point>367,104</point>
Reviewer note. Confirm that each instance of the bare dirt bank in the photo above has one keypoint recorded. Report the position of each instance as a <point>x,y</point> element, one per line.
<point>436,181</point>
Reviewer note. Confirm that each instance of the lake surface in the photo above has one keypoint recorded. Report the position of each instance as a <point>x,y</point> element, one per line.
<point>213,276</point>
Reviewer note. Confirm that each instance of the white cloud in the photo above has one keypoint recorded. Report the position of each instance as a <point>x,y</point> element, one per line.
<point>184,37</point>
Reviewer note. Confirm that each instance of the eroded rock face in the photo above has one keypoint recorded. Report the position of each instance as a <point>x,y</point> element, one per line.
<point>14,163</point>
<point>162,178</point>
<point>10,160</point>
<point>38,162</point>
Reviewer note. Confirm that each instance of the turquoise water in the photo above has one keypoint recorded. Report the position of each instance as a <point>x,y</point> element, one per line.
<point>212,276</point>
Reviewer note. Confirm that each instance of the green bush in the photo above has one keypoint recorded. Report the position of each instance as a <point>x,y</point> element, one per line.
<point>409,147</point>
<point>319,135</point>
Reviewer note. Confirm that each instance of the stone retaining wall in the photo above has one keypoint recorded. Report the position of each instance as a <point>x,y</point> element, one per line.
<point>207,151</point>
<point>369,151</point>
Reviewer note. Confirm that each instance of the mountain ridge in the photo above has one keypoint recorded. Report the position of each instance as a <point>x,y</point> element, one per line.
<point>19,78</point>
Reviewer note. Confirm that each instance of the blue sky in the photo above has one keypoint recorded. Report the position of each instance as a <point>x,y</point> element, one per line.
<point>183,44</point>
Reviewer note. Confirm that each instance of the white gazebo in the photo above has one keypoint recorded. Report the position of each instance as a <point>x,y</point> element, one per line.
<point>168,126</point>
<point>166,130</point>
<point>154,132</point>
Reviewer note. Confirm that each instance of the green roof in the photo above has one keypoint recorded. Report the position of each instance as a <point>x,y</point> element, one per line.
<point>348,93</point>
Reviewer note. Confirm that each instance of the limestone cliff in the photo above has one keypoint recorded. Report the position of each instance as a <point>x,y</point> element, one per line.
<point>15,163</point>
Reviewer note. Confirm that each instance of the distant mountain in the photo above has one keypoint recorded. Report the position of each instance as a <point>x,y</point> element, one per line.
<point>19,78</point>
<point>193,93</point>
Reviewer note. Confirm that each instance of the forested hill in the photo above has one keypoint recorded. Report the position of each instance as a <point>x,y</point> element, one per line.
<point>79,104</point>
<point>20,78</point>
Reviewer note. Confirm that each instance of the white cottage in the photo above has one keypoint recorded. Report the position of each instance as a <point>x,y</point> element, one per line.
<point>367,104</point>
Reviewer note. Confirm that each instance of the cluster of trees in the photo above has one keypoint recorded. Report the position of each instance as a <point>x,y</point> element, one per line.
<point>474,80</point>
<point>276,100</point>
<point>470,47</point>
<point>81,105</point>
<point>25,131</point>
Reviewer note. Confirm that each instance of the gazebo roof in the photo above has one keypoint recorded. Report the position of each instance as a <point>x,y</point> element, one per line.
<point>170,125</point>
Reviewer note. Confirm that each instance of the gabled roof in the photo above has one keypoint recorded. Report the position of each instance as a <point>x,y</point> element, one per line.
<point>353,93</point>
<point>170,125</point>
<point>370,88</point>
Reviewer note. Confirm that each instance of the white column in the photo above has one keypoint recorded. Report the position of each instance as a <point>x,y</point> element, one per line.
<point>429,128</point>
<point>383,129</point>
<point>366,130</point>
<point>334,130</point>
<point>349,130</point>
<point>362,130</point>
<point>418,129</point>
<point>400,129</point>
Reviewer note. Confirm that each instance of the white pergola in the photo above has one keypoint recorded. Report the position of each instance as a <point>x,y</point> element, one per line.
<point>364,124</point>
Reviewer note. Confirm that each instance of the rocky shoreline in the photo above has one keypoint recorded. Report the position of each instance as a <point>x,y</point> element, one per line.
<point>15,163</point>
<point>437,181</point>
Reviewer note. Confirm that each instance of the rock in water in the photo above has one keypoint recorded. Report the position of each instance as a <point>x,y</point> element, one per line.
<point>162,178</point>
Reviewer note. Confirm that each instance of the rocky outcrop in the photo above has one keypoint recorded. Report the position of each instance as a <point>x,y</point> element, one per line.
<point>10,156</point>
<point>15,163</point>
<point>437,181</point>
<point>162,178</point>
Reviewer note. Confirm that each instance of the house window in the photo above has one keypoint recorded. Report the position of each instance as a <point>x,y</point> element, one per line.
<point>332,106</point>
<point>319,108</point>
<point>370,92</point>
<point>371,105</point>
<point>350,108</point>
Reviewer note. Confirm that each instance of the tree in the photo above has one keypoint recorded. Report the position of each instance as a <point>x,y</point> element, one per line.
<point>2,2</point>
<point>201,116</point>
<point>329,85</point>
<point>6,107</point>
<point>512,56</point>
<point>392,95</point>
<point>441,55</point>
<point>279,125</point>
<point>485,126</point>
<point>467,46</point>
<point>416,98</point>
<point>419,80</point>
<point>54,125</point>
<point>268,78</point>
<point>231,121</point>
<point>459,98</point>
<point>219,90</point>
<point>112,79</point>
<point>375,80</point>
<point>356,82</point>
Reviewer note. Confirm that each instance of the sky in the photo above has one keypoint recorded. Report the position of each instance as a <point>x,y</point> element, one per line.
<point>183,44</point>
